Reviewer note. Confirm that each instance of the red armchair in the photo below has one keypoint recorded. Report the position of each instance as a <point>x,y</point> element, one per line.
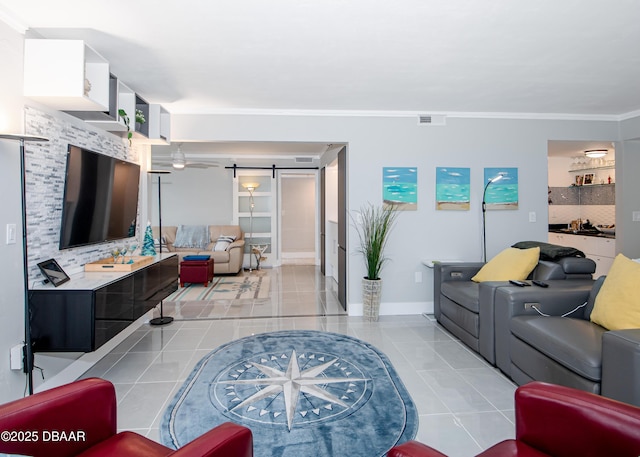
<point>562,422</point>
<point>80,419</point>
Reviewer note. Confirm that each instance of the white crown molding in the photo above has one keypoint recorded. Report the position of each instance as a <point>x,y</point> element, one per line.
<point>629,115</point>
<point>12,21</point>
<point>411,114</point>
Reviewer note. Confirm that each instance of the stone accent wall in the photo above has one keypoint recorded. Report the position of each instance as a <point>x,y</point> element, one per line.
<point>45,165</point>
<point>596,203</point>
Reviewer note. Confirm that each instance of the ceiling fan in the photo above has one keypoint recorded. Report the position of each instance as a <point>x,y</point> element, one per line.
<point>178,160</point>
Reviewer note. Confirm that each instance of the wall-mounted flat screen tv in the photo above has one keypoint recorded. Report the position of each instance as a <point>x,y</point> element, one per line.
<point>100,198</point>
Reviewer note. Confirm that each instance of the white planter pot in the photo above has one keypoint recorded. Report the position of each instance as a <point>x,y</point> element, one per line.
<point>371,293</point>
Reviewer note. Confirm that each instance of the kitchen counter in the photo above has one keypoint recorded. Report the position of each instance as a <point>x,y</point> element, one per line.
<point>588,232</point>
<point>598,246</point>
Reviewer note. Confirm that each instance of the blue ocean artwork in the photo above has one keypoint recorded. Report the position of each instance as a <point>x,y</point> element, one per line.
<point>453,188</point>
<point>501,193</point>
<point>400,187</point>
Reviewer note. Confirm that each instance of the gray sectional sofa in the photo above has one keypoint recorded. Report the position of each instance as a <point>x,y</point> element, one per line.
<point>466,308</point>
<point>547,336</point>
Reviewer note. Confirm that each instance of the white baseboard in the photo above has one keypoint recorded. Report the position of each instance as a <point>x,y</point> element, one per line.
<point>298,255</point>
<point>395,309</point>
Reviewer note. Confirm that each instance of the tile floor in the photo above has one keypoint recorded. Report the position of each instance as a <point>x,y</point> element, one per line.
<point>464,404</point>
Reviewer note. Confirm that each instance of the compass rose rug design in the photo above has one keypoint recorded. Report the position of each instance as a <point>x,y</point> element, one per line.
<point>302,393</point>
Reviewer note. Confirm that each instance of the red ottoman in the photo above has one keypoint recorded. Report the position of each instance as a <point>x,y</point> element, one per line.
<point>196,271</point>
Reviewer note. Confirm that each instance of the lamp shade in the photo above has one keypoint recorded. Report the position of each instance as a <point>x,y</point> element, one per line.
<point>251,186</point>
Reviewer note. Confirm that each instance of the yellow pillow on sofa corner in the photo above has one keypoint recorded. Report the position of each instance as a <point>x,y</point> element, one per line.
<point>617,304</point>
<point>512,263</point>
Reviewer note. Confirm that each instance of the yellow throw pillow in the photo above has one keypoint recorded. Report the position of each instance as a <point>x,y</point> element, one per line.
<point>617,304</point>
<point>512,263</point>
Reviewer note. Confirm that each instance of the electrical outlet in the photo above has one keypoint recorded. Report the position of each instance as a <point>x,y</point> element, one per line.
<point>532,216</point>
<point>418,276</point>
<point>635,216</point>
<point>530,306</point>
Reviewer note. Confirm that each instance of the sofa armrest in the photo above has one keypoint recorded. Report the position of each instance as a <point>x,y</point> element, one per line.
<point>236,255</point>
<point>236,244</point>
<point>515,301</point>
<point>558,420</point>
<point>448,271</point>
<point>458,271</point>
<point>86,407</point>
<point>621,365</point>
<point>486,313</point>
<point>414,449</point>
<point>227,439</point>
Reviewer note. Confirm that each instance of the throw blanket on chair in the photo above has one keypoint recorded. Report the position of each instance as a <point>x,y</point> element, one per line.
<point>192,236</point>
<point>550,251</point>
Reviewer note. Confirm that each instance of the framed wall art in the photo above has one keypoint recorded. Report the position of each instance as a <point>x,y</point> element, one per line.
<point>501,193</point>
<point>453,188</point>
<point>400,187</point>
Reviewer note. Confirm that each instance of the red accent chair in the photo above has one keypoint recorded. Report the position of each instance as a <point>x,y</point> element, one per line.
<point>88,409</point>
<point>561,422</point>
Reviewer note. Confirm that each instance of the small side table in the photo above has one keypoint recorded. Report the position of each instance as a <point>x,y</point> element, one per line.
<point>258,252</point>
<point>196,271</point>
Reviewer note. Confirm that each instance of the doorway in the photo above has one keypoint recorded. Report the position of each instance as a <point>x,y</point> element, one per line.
<point>298,218</point>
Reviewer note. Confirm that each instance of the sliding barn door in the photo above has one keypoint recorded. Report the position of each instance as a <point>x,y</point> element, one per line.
<point>343,220</point>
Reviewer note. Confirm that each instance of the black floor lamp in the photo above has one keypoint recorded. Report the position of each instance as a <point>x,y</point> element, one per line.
<point>162,320</point>
<point>484,210</point>
<point>28,350</point>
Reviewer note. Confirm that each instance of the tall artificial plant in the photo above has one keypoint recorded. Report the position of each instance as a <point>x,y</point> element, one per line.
<point>373,224</point>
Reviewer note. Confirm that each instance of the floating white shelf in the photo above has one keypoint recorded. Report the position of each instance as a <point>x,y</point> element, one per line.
<point>66,75</point>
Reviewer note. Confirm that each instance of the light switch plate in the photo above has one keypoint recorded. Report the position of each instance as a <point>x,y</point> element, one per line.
<point>532,216</point>
<point>635,216</point>
<point>11,234</point>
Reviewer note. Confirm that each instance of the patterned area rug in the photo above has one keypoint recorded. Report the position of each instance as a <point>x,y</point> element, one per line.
<point>302,393</point>
<point>229,288</point>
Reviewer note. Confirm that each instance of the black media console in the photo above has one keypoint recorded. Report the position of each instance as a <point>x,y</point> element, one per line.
<point>83,314</point>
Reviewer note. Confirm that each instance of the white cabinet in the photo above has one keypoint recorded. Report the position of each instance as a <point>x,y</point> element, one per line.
<point>157,128</point>
<point>601,250</point>
<point>121,97</point>
<point>66,75</point>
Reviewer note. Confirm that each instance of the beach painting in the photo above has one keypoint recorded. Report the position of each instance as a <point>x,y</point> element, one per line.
<point>400,187</point>
<point>453,188</point>
<point>503,193</point>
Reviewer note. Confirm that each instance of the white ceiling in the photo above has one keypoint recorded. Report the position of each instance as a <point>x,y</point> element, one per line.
<point>542,57</point>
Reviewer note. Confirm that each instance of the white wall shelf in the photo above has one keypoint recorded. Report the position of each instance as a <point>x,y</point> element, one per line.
<point>120,97</point>
<point>156,130</point>
<point>605,167</point>
<point>66,75</point>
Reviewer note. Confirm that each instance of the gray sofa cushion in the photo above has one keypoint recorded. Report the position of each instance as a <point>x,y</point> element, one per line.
<point>465,293</point>
<point>574,343</point>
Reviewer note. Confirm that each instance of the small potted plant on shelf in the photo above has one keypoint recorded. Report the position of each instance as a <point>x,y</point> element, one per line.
<point>373,225</point>
<point>139,118</point>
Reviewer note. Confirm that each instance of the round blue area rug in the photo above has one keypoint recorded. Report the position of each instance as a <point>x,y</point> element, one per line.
<point>302,393</point>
